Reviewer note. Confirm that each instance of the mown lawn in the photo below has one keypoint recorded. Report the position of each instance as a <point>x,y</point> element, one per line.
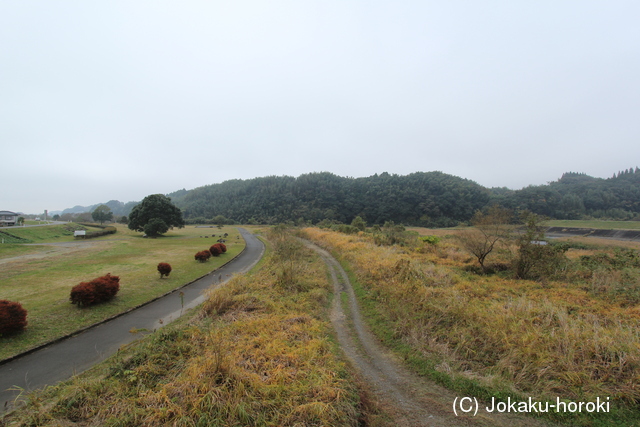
<point>41,277</point>
<point>48,233</point>
<point>258,352</point>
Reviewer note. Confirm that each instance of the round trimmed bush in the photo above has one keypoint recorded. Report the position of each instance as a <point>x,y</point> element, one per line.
<point>13,318</point>
<point>215,250</point>
<point>164,269</point>
<point>203,256</point>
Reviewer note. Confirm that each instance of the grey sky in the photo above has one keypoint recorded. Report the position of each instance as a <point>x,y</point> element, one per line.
<point>121,99</point>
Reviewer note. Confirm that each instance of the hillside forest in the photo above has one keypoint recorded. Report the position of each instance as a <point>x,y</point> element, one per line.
<point>431,199</point>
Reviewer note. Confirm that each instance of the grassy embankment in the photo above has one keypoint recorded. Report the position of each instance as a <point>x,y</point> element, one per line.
<point>494,335</point>
<point>41,277</point>
<point>257,353</point>
<point>597,224</point>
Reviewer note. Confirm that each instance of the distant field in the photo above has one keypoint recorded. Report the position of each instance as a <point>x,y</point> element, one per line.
<point>41,276</point>
<point>604,225</point>
<point>49,233</point>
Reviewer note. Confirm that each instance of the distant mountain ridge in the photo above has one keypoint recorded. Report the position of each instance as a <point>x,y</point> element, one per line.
<point>420,198</point>
<point>118,208</point>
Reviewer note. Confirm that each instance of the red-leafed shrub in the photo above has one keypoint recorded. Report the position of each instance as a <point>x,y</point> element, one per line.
<point>96,291</point>
<point>84,293</point>
<point>164,269</point>
<point>203,256</point>
<point>215,249</point>
<point>223,247</point>
<point>13,318</point>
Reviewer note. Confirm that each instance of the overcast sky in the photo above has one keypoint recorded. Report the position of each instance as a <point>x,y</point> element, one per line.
<point>122,99</point>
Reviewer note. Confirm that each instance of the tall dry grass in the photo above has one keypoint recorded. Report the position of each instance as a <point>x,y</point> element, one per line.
<point>542,340</point>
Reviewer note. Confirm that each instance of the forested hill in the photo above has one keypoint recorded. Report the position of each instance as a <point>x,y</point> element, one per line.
<point>422,198</point>
<point>577,195</point>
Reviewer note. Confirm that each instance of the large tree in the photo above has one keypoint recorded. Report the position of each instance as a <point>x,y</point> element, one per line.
<point>154,210</point>
<point>102,213</point>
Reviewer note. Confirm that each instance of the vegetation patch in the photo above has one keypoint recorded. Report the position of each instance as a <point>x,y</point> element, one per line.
<point>98,290</point>
<point>13,318</point>
<point>51,233</point>
<point>257,353</point>
<point>494,335</point>
<point>6,237</point>
<point>40,277</point>
<point>596,224</point>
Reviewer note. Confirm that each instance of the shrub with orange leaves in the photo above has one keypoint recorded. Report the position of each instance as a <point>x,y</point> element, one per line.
<point>203,256</point>
<point>13,318</point>
<point>215,250</point>
<point>98,290</point>
<point>164,269</point>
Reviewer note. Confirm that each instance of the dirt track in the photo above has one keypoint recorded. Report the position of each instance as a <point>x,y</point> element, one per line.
<point>53,249</point>
<point>410,401</point>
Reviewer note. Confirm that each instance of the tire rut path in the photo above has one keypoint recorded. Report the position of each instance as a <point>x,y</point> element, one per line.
<point>410,400</point>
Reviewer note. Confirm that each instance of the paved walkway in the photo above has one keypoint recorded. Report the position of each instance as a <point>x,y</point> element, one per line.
<point>61,360</point>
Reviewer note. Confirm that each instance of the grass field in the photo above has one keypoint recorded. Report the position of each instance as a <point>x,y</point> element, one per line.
<point>48,233</point>
<point>258,352</point>
<point>603,225</point>
<point>575,337</point>
<point>40,277</point>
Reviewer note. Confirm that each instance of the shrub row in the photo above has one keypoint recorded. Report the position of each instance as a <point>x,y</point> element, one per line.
<point>215,250</point>
<point>13,318</point>
<point>106,229</point>
<point>98,290</point>
<point>203,256</point>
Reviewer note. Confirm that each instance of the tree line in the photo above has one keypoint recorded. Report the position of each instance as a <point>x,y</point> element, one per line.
<point>422,198</point>
<point>431,199</point>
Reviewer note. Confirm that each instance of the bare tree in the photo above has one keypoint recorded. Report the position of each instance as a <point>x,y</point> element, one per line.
<point>488,229</point>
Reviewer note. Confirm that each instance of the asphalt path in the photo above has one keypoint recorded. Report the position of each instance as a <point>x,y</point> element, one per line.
<point>63,359</point>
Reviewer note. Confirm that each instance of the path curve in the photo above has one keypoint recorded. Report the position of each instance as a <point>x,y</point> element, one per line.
<point>410,400</point>
<point>63,359</point>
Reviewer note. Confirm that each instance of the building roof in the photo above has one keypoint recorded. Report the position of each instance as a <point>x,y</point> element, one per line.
<point>7,213</point>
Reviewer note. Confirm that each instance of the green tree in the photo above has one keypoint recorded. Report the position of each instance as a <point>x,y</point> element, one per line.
<point>102,213</point>
<point>359,223</point>
<point>220,220</point>
<point>537,259</point>
<point>155,227</point>
<point>155,206</point>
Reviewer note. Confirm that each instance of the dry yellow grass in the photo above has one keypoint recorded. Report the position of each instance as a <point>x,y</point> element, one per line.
<point>543,340</point>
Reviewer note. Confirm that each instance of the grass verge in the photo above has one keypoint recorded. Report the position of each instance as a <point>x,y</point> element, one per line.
<point>492,336</point>
<point>597,224</point>
<point>258,352</point>
<point>41,277</point>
